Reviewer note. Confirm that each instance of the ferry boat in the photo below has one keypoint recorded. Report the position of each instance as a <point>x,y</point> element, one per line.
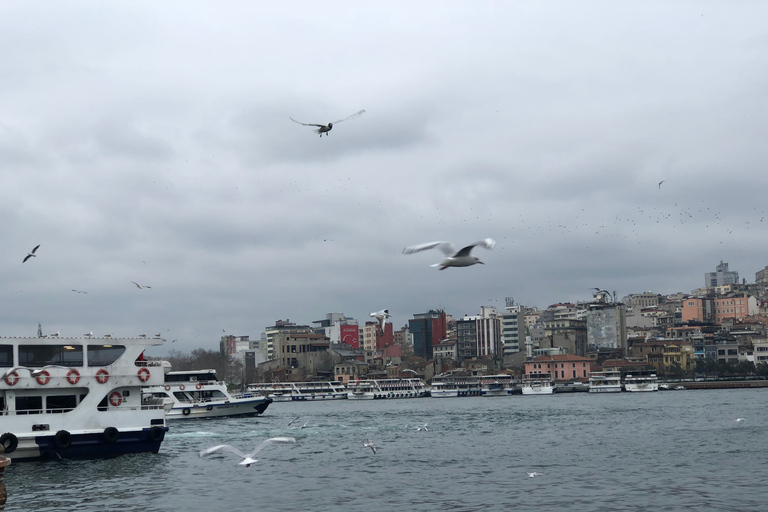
<point>605,382</point>
<point>641,382</point>
<point>301,391</point>
<point>538,384</point>
<point>64,398</point>
<point>496,385</point>
<point>449,385</point>
<point>386,388</point>
<point>444,389</point>
<point>200,394</point>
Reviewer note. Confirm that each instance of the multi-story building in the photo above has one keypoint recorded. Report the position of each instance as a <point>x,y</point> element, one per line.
<point>761,276</point>
<point>427,329</point>
<point>606,326</point>
<point>642,300</point>
<point>231,345</point>
<point>564,368</point>
<point>279,327</point>
<point>466,339</point>
<point>332,326</point>
<point>720,276</point>
<point>513,328</point>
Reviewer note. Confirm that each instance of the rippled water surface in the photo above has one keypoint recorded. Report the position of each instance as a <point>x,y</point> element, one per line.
<point>674,450</point>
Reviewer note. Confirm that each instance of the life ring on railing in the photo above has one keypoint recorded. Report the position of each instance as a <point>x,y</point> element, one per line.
<point>73,376</point>
<point>116,398</point>
<point>12,378</point>
<point>111,434</point>
<point>181,387</point>
<point>199,386</point>
<point>63,439</point>
<point>167,387</point>
<point>185,411</point>
<point>102,376</point>
<point>9,442</point>
<point>144,374</point>
<point>43,377</point>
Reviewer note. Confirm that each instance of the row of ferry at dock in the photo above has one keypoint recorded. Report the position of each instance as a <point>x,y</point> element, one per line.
<point>369,389</point>
<point>612,382</point>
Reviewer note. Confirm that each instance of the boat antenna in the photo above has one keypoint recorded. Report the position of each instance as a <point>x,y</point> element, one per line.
<point>39,330</point>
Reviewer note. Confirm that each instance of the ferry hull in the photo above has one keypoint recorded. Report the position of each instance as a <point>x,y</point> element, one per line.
<point>220,410</point>
<point>88,445</point>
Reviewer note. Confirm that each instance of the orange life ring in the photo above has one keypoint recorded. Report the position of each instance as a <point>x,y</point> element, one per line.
<point>102,376</point>
<point>143,374</point>
<point>73,376</point>
<point>167,387</point>
<point>12,378</point>
<point>116,398</point>
<point>43,377</point>
<point>181,387</point>
<point>199,386</point>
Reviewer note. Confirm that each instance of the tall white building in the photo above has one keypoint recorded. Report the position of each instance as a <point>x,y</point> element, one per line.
<point>513,327</point>
<point>720,276</point>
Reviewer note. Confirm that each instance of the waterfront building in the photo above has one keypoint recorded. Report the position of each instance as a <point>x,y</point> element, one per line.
<point>281,326</point>
<point>606,326</point>
<point>337,326</point>
<point>564,368</point>
<point>427,329</point>
<point>512,328</point>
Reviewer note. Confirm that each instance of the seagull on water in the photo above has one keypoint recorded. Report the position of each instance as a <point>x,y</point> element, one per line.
<point>325,128</point>
<point>247,458</point>
<point>531,475</point>
<point>461,258</point>
<point>737,421</point>
<point>140,286</point>
<point>369,444</point>
<point>31,254</point>
<point>381,316</point>
<point>423,427</point>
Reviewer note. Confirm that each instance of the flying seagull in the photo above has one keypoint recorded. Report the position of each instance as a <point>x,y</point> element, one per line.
<point>369,444</point>
<point>78,291</point>
<point>31,254</point>
<point>453,258</point>
<point>325,128</point>
<point>662,181</point>
<point>381,316</point>
<point>294,419</point>
<point>247,458</point>
<point>140,286</point>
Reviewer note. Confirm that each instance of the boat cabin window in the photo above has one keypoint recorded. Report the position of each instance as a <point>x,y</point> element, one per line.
<point>6,356</point>
<point>43,355</point>
<point>60,403</point>
<point>29,404</point>
<point>104,355</point>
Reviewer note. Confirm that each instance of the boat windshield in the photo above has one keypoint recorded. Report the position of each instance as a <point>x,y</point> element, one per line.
<point>104,355</point>
<point>43,355</point>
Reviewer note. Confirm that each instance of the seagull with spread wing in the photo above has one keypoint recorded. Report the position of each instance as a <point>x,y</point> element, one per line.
<point>381,316</point>
<point>325,128</point>
<point>247,458</point>
<point>31,254</point>
<point>461,258</point>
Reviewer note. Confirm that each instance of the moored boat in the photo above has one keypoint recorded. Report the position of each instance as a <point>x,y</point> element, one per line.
<point>376,389</point>
<point>200,394</point>
<point>497,385</point>
<point>300,391</point>
<point>641,382</point>
<point>605,382</point>
<point>65,398</point>
<point>538,384</point>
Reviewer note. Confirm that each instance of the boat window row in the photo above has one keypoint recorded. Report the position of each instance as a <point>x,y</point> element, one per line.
<point>38,404</point>
<point>63,355</point>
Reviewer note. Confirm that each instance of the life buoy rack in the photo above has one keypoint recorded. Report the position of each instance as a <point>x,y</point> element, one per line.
<point>185,411</point>
<point>9,442</point>
<point>116,398</point>
<point>73,376</point>
<point>143,374</point>
<point>43,377</point>
<point>167,387</point>
<point>181,387</point>
<point>199,386</point>
<point>63,439</point>
<point>111,434</point>
<point>102,376</point>
<point>12,378</point>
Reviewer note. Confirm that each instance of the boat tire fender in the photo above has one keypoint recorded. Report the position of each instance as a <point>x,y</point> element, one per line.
<point>9,442</point>
<point>63,439</point>
<point>111,434</point>
<point>185,411</point>
<point>156,434</point>
<point>209,408</point>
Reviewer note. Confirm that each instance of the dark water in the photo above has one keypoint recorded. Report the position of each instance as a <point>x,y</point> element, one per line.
<point>665,451</point>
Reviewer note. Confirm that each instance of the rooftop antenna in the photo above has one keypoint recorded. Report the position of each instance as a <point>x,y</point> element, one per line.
<point>39,330</point>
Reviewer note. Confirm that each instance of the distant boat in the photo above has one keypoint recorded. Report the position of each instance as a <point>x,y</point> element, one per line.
<point>376,389</point>
<point>538,384</point>
<point>300,391</point>
<point>605,382</point>
<point>641,382</point>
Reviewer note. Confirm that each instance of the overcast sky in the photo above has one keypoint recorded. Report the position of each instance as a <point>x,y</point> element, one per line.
<point>151,142</point>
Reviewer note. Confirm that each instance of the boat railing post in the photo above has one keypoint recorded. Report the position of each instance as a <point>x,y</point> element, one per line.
<point>4,463</point>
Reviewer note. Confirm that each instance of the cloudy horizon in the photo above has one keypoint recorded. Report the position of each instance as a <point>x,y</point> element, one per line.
<point>151,143</point>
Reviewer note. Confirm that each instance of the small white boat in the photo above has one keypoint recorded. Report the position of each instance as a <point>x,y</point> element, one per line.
<point>300,391</point>
<point>641,382</point>
<point>605,382</point>
<point>496,385</point>
<point>377,389</point>
<point>200,394</point>
<point>538,384</point>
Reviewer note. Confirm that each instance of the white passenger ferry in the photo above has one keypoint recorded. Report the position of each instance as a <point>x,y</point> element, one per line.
<point>605,382</point>
<point>497,385</point>
<point>538,384</point>
<point>386,388</point>
<point>301,391</point>
<point>641,382</point>
<point>200,394</point>
<point>65,398</point>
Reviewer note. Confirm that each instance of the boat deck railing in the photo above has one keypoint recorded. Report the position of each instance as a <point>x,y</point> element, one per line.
<point>25,412</point>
